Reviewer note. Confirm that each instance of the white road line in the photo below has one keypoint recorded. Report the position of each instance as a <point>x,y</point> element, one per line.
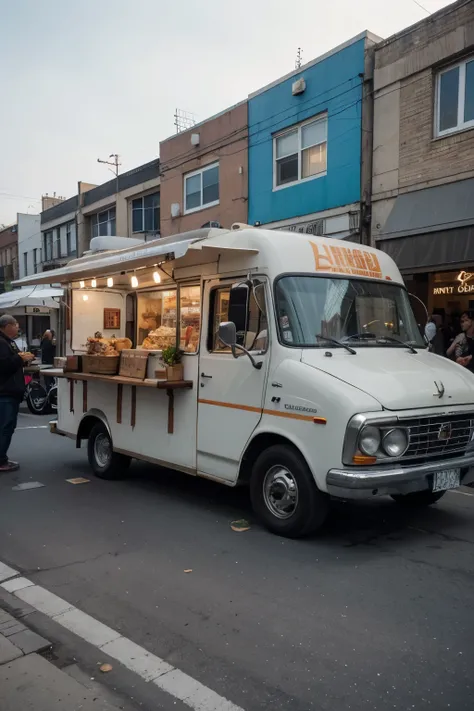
<point>6,572</point>
<point>148,666</point>
<point>463,493</point>
<point>34,427</point>
<point>16,584</point>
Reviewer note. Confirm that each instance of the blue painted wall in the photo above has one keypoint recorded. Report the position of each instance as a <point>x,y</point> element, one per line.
<point>332,85</point>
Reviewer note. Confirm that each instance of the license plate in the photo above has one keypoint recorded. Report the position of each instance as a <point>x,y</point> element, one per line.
<point>446,479</point>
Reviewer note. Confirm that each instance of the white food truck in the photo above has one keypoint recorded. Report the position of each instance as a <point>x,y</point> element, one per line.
<point>305,373</point>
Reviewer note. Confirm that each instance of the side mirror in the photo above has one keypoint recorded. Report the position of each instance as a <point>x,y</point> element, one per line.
<point>228,334</point>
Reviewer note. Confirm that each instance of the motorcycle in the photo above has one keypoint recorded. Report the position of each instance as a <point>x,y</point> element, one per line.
<point>41,399</point>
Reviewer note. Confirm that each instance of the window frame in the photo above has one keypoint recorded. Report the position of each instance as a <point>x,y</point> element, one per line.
<point>142,210</point>
<point>48,241</point>
<point>200,172</point>
<point>291,129</point>
<point>460,126</point>
<point>69,251</point>
<point>25,263</point>
<point>95,222</point>
<point>222,286</point>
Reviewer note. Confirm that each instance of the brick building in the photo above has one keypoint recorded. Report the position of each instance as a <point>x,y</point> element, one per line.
<point>8,256</point>
<point>204,175</point>
<point>423,157</point>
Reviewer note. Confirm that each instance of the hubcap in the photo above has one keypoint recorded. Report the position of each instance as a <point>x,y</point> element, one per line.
<point>280,492</point>
<point>102,450</point>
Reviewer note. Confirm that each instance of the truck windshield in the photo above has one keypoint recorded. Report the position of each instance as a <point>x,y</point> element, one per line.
<point>359,312</point>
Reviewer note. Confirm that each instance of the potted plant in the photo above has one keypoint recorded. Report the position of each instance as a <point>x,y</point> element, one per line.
<point>172,359</point>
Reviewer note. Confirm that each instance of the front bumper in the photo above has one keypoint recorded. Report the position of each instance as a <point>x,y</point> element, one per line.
<point>366,483</point>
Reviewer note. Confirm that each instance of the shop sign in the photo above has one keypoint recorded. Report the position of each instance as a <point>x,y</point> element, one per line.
<point>465,285</point>
<point>37,310</point>
<point>346,260</point>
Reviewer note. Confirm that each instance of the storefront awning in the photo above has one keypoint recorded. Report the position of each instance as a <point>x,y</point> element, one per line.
<point>31,296</point>
<point>431,228</point>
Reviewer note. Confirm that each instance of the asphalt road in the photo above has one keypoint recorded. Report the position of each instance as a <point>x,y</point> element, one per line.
<point>375,613</point>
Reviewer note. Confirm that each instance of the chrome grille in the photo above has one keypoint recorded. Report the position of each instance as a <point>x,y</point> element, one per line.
<point>439,436</point>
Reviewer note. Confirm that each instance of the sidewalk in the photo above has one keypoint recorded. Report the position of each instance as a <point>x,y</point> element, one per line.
<point>31,683</point>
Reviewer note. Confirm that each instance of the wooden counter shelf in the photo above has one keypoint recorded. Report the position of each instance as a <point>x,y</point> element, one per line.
<point>169,385</point>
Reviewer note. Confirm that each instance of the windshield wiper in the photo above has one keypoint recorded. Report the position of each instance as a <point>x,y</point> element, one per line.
<point>396,340</point>
<point>337,343</point>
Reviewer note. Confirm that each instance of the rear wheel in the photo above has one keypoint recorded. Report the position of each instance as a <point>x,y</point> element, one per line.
<point>104,462</point>
<point>284,494</point>
<point>418,498</point>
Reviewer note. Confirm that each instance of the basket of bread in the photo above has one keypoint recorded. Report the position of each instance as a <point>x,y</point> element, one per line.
<point>103,354</point>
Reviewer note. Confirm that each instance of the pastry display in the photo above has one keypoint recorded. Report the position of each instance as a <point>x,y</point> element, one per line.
<point>97,345</point>
<point>160,338</point>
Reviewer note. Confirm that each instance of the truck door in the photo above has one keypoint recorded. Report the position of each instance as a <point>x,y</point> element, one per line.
<point>231,390</point>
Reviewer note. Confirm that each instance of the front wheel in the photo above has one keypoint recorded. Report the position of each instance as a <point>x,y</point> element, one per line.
<point>418,498</point>
<point>104,462</point>
<point>284,495</point>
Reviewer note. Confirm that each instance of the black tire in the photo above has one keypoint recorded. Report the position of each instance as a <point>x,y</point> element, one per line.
<point>274,476</point>
<point>418,499</point>
<point>104,462</point>
<point>36,399</point>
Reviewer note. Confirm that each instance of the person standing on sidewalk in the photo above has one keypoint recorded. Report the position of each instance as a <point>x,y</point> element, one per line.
<point>12,387</point>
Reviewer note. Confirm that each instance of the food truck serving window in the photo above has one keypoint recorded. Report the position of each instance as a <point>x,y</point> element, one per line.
<point>156,319</point>
<point>189,318</point>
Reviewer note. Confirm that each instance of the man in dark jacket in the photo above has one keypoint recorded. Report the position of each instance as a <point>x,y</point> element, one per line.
<point>12,387</point>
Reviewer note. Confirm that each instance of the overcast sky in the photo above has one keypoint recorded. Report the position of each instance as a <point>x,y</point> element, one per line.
<point>81,80</point>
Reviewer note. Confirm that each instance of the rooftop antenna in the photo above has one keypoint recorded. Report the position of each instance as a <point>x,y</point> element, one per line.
<point>115,166</point>
<point>299,58</point>
<point>183,120</point>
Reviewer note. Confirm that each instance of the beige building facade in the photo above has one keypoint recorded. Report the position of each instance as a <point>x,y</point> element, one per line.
<point>204,173</point>
<point>423,157</point>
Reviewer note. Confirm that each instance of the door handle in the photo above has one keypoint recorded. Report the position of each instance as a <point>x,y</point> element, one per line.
<point>203,375</point>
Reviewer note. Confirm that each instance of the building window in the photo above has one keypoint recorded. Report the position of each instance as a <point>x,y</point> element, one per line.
<point>57,244</point>
<point>35,261</point>
<point>71,239</point>
<point>103,223</point>
<point>48,246</point>
<point>201,188</point>
<point>25,263</point>
<point>146,213</point>
<point>300,153</point>
<point>455,98</point>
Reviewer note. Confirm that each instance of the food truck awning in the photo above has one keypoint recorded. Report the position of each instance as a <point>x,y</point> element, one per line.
<point>108,263</point>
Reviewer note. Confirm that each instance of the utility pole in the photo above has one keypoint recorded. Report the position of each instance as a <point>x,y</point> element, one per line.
<point>115,167</point>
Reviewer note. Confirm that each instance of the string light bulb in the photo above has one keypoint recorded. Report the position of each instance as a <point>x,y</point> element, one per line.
<point>94,283</point>
<point>156,278</point>
<point>134,281</point>
<point>85,297</point>
<point>110,281</point>
<point>82,284</point>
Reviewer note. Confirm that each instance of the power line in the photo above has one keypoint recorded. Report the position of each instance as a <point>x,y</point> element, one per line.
<point>218,142</point>
<point>422,7</point>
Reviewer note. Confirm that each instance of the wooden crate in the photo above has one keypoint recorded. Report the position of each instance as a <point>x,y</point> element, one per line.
<point>133,364</point>
<point>101,365</point>
<point>73,364</point>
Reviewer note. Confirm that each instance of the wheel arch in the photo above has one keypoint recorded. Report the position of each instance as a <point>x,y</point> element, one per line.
<point>87,423</point>
<point>260,442</point>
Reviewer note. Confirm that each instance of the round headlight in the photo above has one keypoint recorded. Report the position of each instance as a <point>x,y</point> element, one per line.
<point>369,440</point>
<point>395,443</point>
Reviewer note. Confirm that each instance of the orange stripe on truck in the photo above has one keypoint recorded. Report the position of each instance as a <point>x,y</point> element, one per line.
<point>275,413</point>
